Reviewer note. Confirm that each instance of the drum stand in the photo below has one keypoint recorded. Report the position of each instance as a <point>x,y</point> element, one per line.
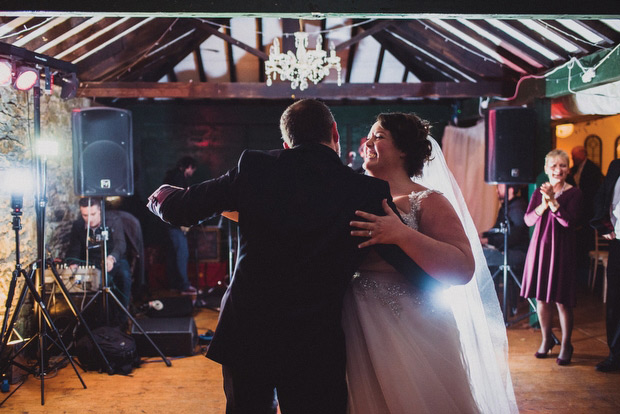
<point>106,293</point>
<point>44,318</point>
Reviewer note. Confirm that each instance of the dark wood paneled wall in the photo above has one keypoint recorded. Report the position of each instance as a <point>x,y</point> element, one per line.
<point>216,134</point>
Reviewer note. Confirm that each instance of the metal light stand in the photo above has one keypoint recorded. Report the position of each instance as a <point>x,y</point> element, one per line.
<point>44,317</point>
<point>106,292</point>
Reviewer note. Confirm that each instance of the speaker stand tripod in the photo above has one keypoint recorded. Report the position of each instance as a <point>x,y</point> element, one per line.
<point>105,292</point>
<point>44,318</point>
<point>78,314</point>
<point>505,269</point>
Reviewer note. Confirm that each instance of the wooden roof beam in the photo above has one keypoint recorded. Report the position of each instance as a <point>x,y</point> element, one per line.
<point>231,40</point>
<point>282,90</point>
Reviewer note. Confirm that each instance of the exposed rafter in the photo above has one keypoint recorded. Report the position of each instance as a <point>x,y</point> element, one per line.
<point>281,90</point>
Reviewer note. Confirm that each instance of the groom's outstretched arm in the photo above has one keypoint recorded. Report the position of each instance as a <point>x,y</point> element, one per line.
<point>190,206</point>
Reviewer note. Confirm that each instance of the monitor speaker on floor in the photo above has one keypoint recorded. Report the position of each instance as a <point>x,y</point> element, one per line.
<point>173,336</point>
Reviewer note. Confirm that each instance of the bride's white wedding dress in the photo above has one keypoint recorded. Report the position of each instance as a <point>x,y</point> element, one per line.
<point>418,351</point>
<point>403,347</point>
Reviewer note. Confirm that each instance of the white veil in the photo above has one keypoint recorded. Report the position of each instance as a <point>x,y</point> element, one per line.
<point>475,305</point>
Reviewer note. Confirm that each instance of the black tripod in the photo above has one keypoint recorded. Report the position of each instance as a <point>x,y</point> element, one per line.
<point>505,269</point>
<point>504,228</point>
<point>44,318</point>
<point>106,293</point>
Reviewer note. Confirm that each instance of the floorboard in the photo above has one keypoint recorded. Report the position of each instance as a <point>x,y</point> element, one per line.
<point>193,384</point>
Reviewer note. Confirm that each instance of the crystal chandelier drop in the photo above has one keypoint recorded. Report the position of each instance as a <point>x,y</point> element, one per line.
<point>302,66</point>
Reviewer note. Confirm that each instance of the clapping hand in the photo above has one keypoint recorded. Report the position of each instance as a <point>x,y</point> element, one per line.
<point>378,229</point>
<point>546,190</point>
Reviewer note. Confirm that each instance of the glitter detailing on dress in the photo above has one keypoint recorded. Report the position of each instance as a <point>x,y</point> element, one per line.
<point>388,293</point>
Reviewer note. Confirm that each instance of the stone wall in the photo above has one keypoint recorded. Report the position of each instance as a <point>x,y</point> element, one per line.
<point>17,138</point>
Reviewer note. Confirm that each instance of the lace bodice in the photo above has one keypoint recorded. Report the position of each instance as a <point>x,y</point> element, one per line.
<point>415,201</point>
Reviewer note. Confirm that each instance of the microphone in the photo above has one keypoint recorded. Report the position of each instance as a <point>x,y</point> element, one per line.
<point>156,304</point>
<point>153,304</point>
<point>492,231</point>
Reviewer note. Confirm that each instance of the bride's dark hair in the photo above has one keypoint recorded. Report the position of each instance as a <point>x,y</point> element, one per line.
<point>410,134</point>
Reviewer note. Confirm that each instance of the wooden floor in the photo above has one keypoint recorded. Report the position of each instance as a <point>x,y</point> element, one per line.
<point>193,384</point>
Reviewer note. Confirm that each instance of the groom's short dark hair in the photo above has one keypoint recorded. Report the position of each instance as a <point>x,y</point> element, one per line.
<point>306,121</point>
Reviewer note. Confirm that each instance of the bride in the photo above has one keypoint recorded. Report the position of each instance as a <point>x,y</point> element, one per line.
<point>438,348</point>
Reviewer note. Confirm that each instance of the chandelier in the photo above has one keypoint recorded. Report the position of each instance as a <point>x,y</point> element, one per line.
<point>303,66</point>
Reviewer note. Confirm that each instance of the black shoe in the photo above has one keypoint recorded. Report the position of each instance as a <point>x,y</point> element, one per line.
<point>608,365</point>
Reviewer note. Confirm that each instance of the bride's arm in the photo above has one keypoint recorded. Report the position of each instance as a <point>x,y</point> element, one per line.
<point>440,247</point>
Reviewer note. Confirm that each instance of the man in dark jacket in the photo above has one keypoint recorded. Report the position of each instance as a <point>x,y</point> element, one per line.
<point>279,327</point>
<point>607,222</point>
<point>178,252</point>
<point>85,242</point>
<point>587,176</point>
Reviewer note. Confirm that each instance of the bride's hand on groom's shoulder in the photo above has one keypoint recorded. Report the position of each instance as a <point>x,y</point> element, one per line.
<point>378,229</point>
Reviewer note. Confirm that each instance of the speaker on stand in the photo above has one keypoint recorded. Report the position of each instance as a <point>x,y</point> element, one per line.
<point>510,137</point>
<point>102,152</point>
<point>103,167</point>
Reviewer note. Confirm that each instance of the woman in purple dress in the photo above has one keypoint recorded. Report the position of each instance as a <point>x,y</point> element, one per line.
<point>549,274</point>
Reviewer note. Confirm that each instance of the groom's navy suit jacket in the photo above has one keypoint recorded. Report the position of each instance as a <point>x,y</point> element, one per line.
<point>295,254</point>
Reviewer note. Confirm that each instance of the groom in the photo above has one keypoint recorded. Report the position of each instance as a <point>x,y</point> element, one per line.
<point>279,326</point>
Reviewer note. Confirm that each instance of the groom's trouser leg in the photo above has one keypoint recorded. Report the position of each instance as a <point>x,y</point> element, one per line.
<point>314,382</point>
<point>249,390</point>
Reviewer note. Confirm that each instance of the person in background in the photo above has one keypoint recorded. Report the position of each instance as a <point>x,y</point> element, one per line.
<point>178,254</point>
<point>85,248</point>
<point>550,274</point>
<point>587,176</point>
<point>518,236</point>
<point>607,222</point>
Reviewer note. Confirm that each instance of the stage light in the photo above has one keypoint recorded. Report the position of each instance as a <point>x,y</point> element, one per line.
<point>25,78</point>
<point>16,181</point>
<point>6,70</point>
<point>47,148</point>
<point>69,86</point>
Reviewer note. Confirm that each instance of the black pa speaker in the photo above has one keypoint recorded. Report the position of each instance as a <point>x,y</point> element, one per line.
<point>173,336</point>
<point>510,136</point>
<point>102,152</point>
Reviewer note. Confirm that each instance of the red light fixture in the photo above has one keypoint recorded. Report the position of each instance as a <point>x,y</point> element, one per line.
<point>6,70</point>
<point>25,78</point>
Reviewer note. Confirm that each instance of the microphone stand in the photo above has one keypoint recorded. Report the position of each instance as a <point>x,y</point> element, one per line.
<point>106,293</point>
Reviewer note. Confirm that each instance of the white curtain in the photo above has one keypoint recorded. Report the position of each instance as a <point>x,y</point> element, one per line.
<point>463,149</point>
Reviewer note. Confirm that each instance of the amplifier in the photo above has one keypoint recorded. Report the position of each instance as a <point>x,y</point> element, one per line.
<point>79,280</point>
